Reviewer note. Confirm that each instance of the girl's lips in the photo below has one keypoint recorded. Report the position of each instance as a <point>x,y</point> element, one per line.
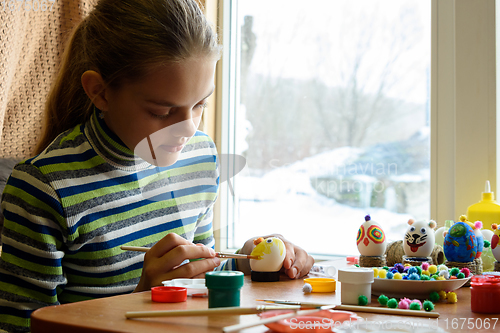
<point>172,149</point>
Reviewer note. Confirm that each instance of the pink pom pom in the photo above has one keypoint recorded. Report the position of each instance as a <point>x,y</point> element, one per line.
<point>466,271</point>
<point>478,224</point>
<point>417,301</point>
<point>404,304</point>
<point>425,266</point>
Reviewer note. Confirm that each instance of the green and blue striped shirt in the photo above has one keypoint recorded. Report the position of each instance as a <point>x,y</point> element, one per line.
<point>68,210</point>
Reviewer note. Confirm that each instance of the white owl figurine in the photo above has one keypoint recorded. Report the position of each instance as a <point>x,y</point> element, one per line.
<point>419,238</point>
<point>371,239</point>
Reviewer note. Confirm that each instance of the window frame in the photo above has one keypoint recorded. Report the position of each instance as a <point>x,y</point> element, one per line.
<point>463,101</point>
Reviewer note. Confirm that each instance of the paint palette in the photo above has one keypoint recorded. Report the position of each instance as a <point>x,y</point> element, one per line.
<point>195,287</point>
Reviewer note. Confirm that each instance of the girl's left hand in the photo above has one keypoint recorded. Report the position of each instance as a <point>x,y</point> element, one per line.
<point>297,262</point>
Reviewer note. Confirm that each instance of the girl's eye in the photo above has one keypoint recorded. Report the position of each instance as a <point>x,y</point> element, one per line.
<point>159,116</point>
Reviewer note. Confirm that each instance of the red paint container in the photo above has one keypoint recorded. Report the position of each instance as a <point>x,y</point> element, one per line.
<point>485,293</point>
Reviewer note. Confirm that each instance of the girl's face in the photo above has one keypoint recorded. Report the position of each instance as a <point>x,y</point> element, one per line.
<point>161,111</point>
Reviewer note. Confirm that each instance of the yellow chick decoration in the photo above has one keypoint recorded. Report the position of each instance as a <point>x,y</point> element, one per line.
<point>271,253</point>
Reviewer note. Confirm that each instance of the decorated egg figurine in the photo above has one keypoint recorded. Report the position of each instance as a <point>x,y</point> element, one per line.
<point>271,253</point>
<point>419,238</point>
<point>460,243</point>
<point>495,241</point>
<point>371,238</point>
<point>476,226</point>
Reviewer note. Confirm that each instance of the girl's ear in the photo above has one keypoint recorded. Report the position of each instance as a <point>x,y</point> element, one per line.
<point>94,87</point>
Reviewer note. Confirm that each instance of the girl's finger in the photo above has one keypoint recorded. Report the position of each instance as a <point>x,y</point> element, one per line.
<point>180,253</point>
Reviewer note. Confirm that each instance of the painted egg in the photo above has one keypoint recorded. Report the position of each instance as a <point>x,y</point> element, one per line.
<point>495,241</point>
<point>271,252</point>
<point>371,238</point>
<point>460,243</point>
<point>419,238</point>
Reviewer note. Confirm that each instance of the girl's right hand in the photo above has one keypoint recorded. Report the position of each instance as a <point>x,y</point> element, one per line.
<point>163,261</point>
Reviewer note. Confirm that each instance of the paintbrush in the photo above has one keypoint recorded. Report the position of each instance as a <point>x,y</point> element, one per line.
<point>217,254</point>
<point>370,309</point>
<point>236,310</point>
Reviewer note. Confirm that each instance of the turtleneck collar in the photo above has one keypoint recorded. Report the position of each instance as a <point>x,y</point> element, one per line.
<point>110,147</point>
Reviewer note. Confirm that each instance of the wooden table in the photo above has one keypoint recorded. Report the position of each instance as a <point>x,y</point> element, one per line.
<point>108,314</point>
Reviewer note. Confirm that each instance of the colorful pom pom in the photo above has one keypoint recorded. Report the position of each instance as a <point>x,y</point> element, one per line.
<point>444,274</point>
<point>412,270</point>
<point>460,275</point>
<point>399,267</point>
<point>452,297</point>
<point>453,277</point>
<point>428,306</point>
<point>403,304</point>
<point>398,276</point>
<point>434,297</point>
<point>442,295</point>
<point>426,273</point>
<point>417,301</point>
<point>307,288</point>
<point>425,277</point>
<point>382,273</point>
<point>389,275</point>
<point>478,225</point>
<point>441,278</point>
<point>382,299</point>
<point>375,272</point>
<point>466,271</point>
<point>454,271</point>
<point>415,306</point>
<point>414,276</point>
<point>425,266</point>
<point>487,244</point>
<point>386,268</point>
<point>362,300</point>
<point>432,269</point>
<point>392,303</point>
<point>442,268</point>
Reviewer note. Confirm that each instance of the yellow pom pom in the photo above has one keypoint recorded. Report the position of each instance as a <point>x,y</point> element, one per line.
<point>463,218</point>
<point>442,295</point>
<point>433,269</point>
<point>382,274</point>
<point>452,297</point>
<point>397,276</point>
<point>375,272</point>
<point>407,265</point>
<point>441,278</point>
<point>426,273</point>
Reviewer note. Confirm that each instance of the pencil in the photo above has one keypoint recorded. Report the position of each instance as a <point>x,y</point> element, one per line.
<point>370,309</point>
<point>236,310</point>
<point>217,254</point>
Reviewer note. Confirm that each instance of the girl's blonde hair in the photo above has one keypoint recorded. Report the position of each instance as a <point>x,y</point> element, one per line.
<point>122,40</point>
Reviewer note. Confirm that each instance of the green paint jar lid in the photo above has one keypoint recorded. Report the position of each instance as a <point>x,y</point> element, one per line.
<point>224,280</point>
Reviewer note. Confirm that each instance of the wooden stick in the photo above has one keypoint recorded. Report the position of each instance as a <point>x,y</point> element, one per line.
<point>370,309</point>
<point>217,254</point>
<point>206,312</point>
<point>264,321</point>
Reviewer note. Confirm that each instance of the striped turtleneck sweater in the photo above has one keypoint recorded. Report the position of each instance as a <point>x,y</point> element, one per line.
<point>68,210</point>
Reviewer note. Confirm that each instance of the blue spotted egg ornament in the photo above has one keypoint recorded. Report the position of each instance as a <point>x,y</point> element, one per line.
<point>460,243</point>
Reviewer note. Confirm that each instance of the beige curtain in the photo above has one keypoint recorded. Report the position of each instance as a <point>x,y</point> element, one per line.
<point>31,45</point>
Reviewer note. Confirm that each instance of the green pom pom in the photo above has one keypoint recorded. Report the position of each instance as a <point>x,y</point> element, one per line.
<point>362,300</point>
<point>454,271</point>
<point>392,303</point>
<point>460,275</point>
<point>487,244</point>
<point>428,306</point>
<point>434,297</point>
<point>424,277</point>
<point>386,268</point>
<point>356,265</point>
<point>419,269</point>
<point>435,276</point>
<point>382,299</point>
<point>415,306</point>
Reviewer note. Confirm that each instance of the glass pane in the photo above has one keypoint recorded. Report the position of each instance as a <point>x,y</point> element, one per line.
<point>332,117</point>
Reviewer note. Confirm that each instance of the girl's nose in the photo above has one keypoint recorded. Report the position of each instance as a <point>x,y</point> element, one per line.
<point>186,125</point>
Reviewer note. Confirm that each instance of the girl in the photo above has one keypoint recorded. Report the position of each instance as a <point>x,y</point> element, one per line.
<point>120,163</point>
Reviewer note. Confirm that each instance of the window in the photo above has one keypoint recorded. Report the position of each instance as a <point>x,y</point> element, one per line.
<point>330,106</point>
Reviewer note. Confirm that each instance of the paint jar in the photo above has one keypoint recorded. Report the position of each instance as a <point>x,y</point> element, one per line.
<point>485,293</point>
<point>354,282</point>
<point>224,288</point>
